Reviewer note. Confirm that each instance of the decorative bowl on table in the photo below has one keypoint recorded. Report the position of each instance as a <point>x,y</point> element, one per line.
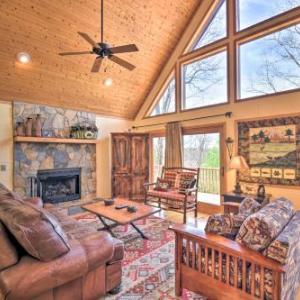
<point>131,209</point>
<point>108,202</point>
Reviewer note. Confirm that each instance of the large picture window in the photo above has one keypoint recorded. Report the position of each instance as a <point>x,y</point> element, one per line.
<point>251,12</point>
<point>244,49</point>
<point>205,81</point>
<point>270,64</point>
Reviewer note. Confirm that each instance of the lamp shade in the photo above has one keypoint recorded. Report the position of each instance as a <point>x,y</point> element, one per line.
<point>238,163</point>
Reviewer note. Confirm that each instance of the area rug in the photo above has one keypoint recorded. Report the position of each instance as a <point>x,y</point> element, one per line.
<point>148,265</point>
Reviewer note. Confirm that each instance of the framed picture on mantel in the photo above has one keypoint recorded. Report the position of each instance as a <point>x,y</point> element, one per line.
<point>272,150</point>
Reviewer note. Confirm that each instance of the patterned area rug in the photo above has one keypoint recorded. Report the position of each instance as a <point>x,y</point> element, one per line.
<point>148,266</point>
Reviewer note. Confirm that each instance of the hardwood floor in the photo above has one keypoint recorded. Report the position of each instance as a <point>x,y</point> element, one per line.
<point>175,217</point>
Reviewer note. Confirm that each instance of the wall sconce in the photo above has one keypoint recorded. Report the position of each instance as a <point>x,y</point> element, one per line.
<point>229,146</point>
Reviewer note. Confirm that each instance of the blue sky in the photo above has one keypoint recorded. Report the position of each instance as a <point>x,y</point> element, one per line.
<point>255,11</point>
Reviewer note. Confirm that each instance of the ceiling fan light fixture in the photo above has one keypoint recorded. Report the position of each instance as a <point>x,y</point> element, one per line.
<point>108,82</point>
<point>23,57</point>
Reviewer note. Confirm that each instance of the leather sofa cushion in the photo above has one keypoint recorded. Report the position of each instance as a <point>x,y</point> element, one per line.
<point>8,253</point>
<point>37,231</point>
<point>260,228</point>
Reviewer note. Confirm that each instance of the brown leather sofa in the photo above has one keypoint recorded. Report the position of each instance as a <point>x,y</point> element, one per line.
<point>89,267</point>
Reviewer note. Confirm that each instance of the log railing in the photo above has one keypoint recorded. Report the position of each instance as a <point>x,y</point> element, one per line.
<point>219,268</point>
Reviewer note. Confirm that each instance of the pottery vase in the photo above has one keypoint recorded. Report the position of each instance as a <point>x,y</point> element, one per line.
<point>38,125</point>
<point>29,123</point>
<point>20,129</point>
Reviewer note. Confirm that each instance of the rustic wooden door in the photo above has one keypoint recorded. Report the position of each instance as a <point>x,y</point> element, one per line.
<point>121,152</point>
<point>121,185</point>
<point>139,164</point>
<point>130,164</point>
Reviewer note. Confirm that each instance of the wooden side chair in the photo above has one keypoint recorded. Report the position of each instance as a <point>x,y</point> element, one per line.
<point>176,190</point>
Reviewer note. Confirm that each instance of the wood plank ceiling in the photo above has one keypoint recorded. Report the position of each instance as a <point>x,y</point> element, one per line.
<point>45,28</point>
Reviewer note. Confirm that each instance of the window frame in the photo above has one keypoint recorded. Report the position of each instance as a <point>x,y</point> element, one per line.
<point>159,94</point>
<point>184,62</point>
<point>231,43</point>
<point>206,24</point>
<point>236,7</point>
<point>250,39</point>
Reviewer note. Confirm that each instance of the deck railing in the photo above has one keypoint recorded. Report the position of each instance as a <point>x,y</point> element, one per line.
<point>209,180</point>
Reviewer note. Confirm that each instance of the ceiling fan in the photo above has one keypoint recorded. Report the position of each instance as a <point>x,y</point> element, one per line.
<point>103,50</point>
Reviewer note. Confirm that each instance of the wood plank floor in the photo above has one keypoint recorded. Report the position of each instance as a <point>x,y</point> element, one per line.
<point>175,217</point>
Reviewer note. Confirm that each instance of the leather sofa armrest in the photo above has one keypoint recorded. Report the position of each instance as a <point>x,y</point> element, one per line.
<point>36,201</point>
<point>31,277</point>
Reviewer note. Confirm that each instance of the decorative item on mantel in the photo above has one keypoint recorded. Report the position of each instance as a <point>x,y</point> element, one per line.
<point>29,124</point>
<point>38,125</point>
<point>20,129</point>
<point>84,131</point>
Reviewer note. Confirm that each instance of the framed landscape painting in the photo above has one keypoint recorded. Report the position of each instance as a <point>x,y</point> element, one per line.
<point>271,148</point>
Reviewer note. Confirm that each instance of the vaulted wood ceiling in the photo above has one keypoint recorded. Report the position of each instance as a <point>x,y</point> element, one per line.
<point>45,28</point>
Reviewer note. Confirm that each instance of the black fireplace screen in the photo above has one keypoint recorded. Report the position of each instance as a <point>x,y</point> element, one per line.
<point>59,185</point>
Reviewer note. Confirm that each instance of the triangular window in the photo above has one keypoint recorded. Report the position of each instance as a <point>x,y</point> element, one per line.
<point>166,102</point>
<point>216,28</point>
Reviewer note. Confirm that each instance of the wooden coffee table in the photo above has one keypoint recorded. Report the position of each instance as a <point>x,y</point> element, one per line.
<point>120,216</point>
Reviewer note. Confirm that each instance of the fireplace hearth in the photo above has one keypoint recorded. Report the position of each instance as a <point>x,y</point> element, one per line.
<point>59,185</point>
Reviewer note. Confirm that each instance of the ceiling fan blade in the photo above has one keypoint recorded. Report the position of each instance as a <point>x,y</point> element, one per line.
<point>88,39</point>
<point>97,65</point>
<point>125,48</point>
<point>121,62</point>
<point>75,53</point>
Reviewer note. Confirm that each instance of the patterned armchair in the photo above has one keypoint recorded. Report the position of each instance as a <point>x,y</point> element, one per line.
<point>175,190</point>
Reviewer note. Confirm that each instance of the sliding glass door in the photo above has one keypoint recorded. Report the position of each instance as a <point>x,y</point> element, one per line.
<point>158,156</point>
<point>202,149</point>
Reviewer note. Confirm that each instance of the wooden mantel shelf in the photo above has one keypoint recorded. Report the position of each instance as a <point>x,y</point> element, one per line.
<point>32,139</point>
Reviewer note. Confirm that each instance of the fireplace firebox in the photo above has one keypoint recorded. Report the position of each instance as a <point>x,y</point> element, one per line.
<point>59,185</point>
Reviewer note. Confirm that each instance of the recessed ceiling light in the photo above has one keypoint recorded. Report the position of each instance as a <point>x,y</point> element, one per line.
<point>107,81</point>
<point>23,57</point>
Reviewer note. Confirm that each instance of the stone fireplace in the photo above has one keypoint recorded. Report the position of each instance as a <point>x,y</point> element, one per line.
<point>47,160</point>
<point>59,185</point>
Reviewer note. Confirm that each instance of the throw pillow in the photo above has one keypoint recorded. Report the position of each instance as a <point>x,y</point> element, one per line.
<point>225,225</point>
<point>37,231</point>
<point>162,185</point>
<point>171,177</point>
<point>286,244</point>
<point>260,228</point>
<point>187,184</point>
<point>249,206</point>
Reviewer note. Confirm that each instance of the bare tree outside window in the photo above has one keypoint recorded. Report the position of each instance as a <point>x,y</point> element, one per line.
<point>270,64</point>
<point>158,154</point>
<point>205,81</point>
<point>216,29</point>
<point>166,103</point>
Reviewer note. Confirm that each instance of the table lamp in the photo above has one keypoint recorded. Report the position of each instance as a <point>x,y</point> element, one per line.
<point>238,163</point>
